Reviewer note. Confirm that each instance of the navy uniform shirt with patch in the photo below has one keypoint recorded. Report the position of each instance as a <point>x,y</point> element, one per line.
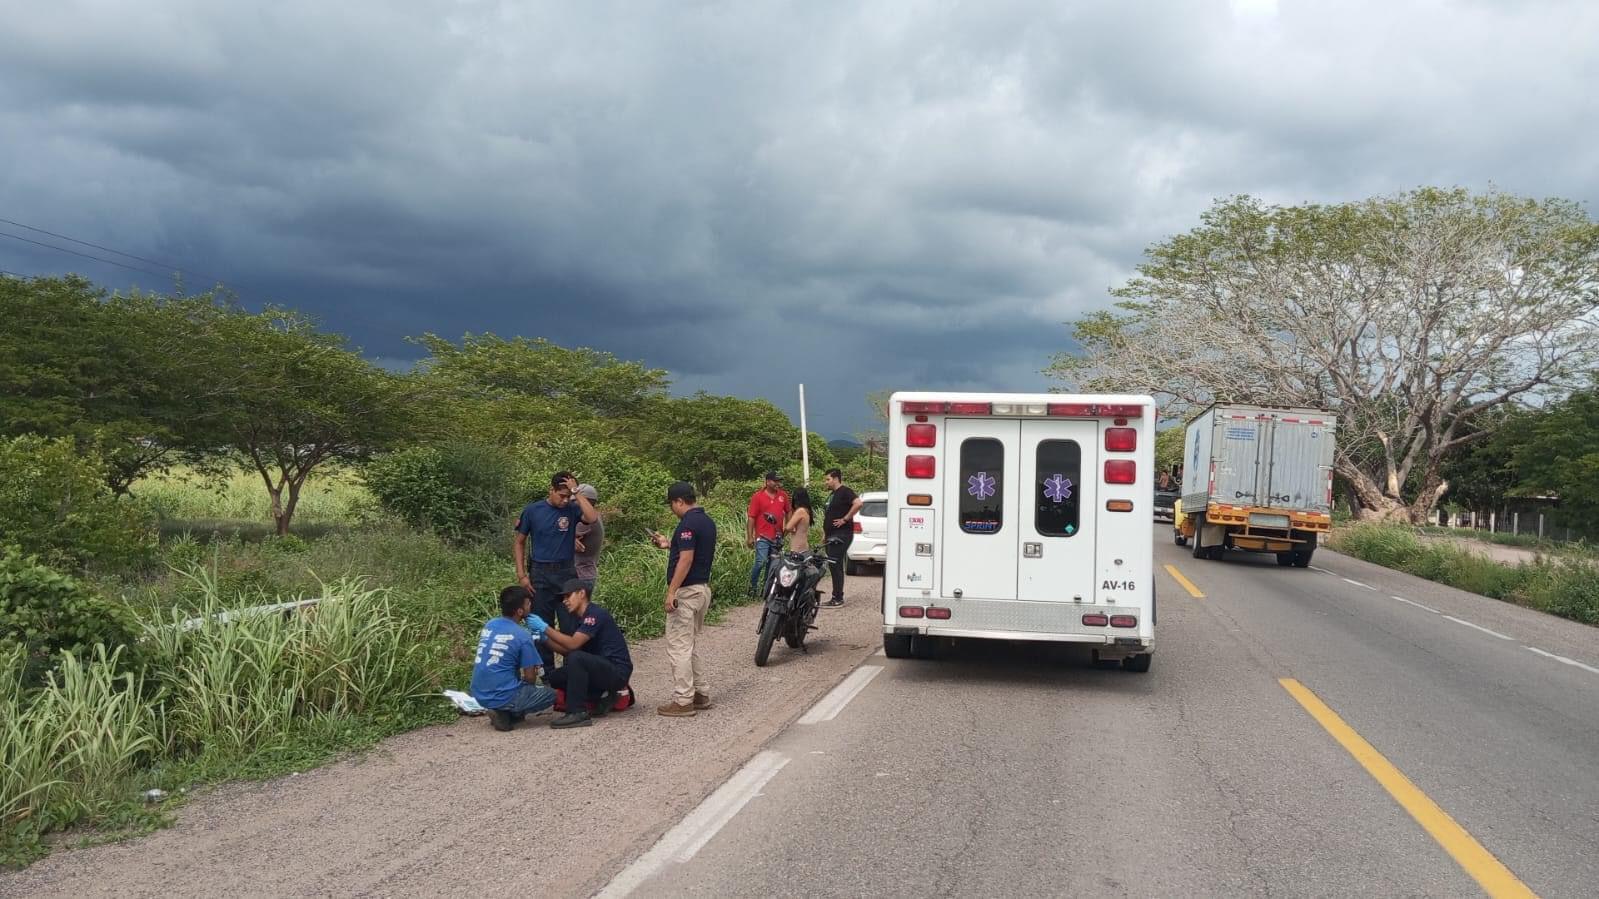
<point>695,531</point>
<point>605,638</point>
<point>553,530</point>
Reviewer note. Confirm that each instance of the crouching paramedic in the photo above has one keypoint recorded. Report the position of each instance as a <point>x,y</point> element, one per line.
<point>597,661</point>
<point>506,666</point>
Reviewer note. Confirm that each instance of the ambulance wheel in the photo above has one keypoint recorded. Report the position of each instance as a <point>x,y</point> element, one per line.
<point>1138,663</point>
<point>897,646</point>
<point>924,647</point>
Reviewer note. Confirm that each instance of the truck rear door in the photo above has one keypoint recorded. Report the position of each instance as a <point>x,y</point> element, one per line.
<point>1237,450</point>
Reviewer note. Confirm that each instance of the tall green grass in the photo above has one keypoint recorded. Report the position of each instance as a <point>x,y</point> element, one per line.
<point>332,496</point>
<point>1566,587</point>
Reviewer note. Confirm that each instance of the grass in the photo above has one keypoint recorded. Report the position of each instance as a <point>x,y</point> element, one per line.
<point>1565,587</point>
<point>259,696</point>
<point>332,496</point>
<point>1523,541</point>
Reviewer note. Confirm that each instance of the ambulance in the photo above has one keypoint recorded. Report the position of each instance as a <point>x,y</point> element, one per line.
<point>1021,517</point>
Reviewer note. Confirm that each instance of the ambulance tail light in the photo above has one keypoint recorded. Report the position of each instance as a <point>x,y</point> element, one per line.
<point>1121,471</point>
<point>923,408</point>
<point>1020,409</point>
<point>1121,440</point>
<point>971,408</point>
<point>921,436</point>
<point>1096,410</point>
<point>910,611</point>
<point>1123,621</point>
<point>938,613</point>
<point>921,467</point>
<point>1094,619</point>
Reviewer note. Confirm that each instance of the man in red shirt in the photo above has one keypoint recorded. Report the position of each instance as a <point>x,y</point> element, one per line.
<point>763,528</point>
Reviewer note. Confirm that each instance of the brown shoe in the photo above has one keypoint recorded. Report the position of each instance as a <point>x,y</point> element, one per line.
<point>701,702</point>
<point>674,710</point>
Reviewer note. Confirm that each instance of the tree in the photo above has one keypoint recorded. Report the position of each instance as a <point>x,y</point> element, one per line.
<point>596,381</point>
<point>874,440</point>
<point>707,438</point>
<point>99,369</point>
<point>1558,453</point>
<point>1409,316</point>
<point>287,398</point>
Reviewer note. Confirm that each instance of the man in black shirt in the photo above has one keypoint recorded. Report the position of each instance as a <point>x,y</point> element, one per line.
<point>688,598</point>
<point>838,528</point>
<point>597,661</point>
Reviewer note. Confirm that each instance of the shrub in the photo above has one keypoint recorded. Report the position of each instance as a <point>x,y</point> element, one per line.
<point>44,612</point>
<point>54,504</point>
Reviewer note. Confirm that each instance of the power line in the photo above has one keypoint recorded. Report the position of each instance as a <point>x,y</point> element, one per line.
<point>47,246</point>
<point>157,263</point>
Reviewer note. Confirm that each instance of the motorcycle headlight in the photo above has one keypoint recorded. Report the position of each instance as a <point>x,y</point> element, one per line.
<point>786,577</point>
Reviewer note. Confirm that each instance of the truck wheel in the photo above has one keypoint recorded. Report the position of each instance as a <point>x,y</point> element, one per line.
<point>1285,559</point>
<point>897,646</point>
<point>1139,663</point>
<point>1198,551</point>
<point>1302,557</point>
<point>1178,538</point>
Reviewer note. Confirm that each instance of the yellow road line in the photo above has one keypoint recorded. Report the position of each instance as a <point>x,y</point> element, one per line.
<point>1183,582</point>
<point>1490,873</point>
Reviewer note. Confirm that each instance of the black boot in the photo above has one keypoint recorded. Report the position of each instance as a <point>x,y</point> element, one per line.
<point>501,719</point>
<point>572,719</point>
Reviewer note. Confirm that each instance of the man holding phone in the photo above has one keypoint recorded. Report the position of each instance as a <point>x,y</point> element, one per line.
<point>550,526</point>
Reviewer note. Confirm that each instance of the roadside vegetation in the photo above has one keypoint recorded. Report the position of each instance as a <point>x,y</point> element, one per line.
<point>215,462</point>
<point>1568,587</point>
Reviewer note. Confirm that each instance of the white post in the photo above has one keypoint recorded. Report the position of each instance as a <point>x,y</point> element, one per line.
<point>805,441</point>
<point>1515,523</point>
<point>1493,522</point>
<point>1540,525</point>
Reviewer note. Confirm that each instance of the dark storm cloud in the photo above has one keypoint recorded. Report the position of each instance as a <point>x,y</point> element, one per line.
<point>854,195</point>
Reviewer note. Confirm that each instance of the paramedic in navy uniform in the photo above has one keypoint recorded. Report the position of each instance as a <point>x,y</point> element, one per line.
<point>550,525</point>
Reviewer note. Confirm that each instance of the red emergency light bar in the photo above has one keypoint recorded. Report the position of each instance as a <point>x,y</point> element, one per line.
<point>1070,410</point>
<point>1096,410</point>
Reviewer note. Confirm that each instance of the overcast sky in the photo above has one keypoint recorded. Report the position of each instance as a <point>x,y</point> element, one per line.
<point>858,195</point>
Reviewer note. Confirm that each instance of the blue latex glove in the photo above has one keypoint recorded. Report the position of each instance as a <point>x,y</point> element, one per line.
<point>537,625</point>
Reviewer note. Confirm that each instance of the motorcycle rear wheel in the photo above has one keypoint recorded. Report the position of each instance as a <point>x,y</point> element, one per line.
<point>763,646</point>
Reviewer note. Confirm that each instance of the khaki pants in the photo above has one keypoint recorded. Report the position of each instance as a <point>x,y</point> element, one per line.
<point>683,625</point>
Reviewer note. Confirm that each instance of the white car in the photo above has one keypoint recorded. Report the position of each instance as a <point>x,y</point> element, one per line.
<point>871,533</point>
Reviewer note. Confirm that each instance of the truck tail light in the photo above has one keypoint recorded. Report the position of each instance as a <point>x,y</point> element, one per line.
<point>1121,440</point>
<point>938,613</point>
<point>1094,619</point>
<point>858,528</point>
<point>1123,621</point>
<point>910,611</point>
<point>921,436</point>
<point>920,467</point>
<point>1121,471</point>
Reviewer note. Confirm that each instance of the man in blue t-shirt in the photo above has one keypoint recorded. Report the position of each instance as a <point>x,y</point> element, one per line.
<point>550,526</point>
<point>506,665</point>
<point>597,661</point>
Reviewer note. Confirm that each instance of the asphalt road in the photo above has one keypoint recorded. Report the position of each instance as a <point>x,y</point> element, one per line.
<point>1025,771</point>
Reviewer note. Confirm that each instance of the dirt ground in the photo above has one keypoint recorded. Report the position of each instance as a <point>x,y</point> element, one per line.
<point>461,809</point>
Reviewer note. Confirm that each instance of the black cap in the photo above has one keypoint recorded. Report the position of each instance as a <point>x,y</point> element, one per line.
<point>682,490</point>
<point>573,585</point>
<point>772,476</point>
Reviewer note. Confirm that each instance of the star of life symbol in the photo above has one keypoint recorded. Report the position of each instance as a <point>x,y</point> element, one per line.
<point>1058,489</point>
<point>980,485</point>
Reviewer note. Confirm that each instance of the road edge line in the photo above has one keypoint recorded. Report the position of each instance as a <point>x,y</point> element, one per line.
<point>833,703</point>
<point>696,829</point>
<point>1484,867</point>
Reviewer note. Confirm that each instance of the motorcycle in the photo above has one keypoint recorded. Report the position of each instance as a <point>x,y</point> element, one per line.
<point>790,601</point>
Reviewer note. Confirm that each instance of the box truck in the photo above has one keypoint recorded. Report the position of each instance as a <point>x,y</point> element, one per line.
<point>1258,479</point>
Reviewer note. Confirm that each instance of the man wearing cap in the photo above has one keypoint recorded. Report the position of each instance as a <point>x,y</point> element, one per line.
<point>550,526</point>
<point>506,664</point>
<point>688,597</point>
<point>597,661</point>
<point>590,539</point>
<point>763,527</point>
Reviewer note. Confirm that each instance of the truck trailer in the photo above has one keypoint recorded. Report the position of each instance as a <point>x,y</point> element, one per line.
<point>1257,479</point>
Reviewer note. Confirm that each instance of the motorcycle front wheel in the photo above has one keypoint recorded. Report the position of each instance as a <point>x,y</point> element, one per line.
<point>763,646</point>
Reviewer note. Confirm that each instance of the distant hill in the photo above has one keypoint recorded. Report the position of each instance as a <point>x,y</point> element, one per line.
<point>844,444</point>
